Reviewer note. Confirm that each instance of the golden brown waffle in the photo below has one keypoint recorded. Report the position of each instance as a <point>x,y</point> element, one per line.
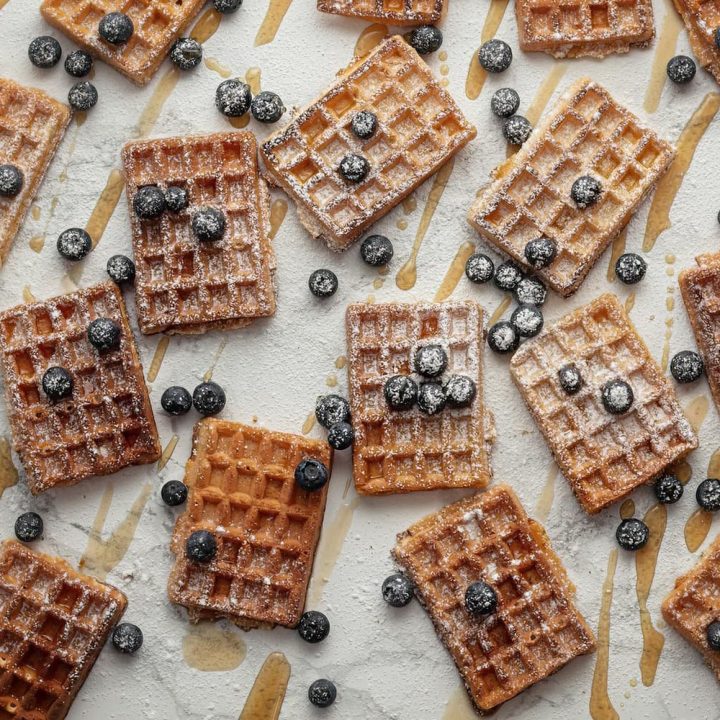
<point>184,285</point>
<point>157,26</point>
<point>584,28</point>
<point>700,288</point>
<point>242,489</point>
<point>419,129</point>
<point>32,125</point>
<point>694,603</point>
<point>392,12</point>
<point>603,456</point>
<point>404,451</point>
<point>108,423</point>
<point>536,629</point>
<point>53,625</point>
<point>702,20</point>
<point>587,133</point>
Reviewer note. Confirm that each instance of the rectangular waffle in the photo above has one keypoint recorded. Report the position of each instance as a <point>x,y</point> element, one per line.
<point>392,12</point>
<point>587,133</point>
<point>576,28</point>
<point>183,285</point>
<point>242,489</point>
<point>403,451</point>
<point>702,19</point>
<point>603,456</point>
<point>536,629</point>
<point>53,625</point>
<point>32,125</point>
<point>694,603</point>
<point>420,128</point>
<point>108,422</point>
<point>157,26</point>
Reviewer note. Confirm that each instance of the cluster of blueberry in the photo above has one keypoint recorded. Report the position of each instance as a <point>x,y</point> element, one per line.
<point>333,413</point>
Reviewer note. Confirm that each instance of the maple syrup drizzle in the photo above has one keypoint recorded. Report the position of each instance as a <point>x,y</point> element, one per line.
<point>27,295</point>
<point>216,66</point>
<point>407,275</point>
<point>500,309</point>
<point>8,471</point>
<point>454,272</point>
<point>476,76</point>
<point>158,357</point>
<point>369,39</point>
<point>545,501</point>
<point>409,204</point>
<point>458,706</point>
<point>3,3</point>
<point>664,50</point>
<point>37,243</point>
<point>253,78</point>
<point>696,412</point>
<point>340,362</point>
<point>378,283</point>
<point>698,524</point>
<point>211,370</point>
<point>105,206</point>
<point>268,691</point>
<point>618,248</point>
<point>36,212</point>
<point>683,471</point>
<point>167,452</point>
<point>240,122</point>
<point>210,648</point>
<point>278,210</point>
<point>271,22</point>
<point>627,509</point>
<point>401,224</point>
<point>206,26</point>
<point>309,423</point>
<point>629,302</point>
<point>331,380</point>
<point>669,184</point>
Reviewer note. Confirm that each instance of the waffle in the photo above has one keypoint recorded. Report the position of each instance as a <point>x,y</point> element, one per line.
<point>404,451</point>
<point>700,288</point>
<point>32,125</point>
<point>584,28</point>
<point>536,629</point>
<point>392,12</point>
<point>157,26</point>
<point>701,20</point>
<point>53,624</point>
<point>587,133</point>
<point>419,129</point>
<point>108,423</point>
<point>603,456</point>
<point>242,489</point>
<point>183,285</point>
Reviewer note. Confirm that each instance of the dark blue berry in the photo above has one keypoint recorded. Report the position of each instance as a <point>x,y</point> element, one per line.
<point>322,693</point>
<point>11,180</point>
<point>586,191</point>
<point>425,39</point>
<point>82,96</point>
<point>376,250</point>
<point>503,337</point>
<point>233,97</point>
<point>508,275</point>
<point>104,334</point>
<point>430,360</point>
<point>176,400</point>
<point>267,107</point>
<point>341,436</point>
<point>708,494</point>
<point>460,391</point>
<point>364,124</point>
<point>116,28</point>
<point>687,366</point>
<point>208,398</point>
<point>227,6</point>
<point>480,599</point>
<point>527,320</point>
<point>540,252</point>
<point>174,493</point>
<point>78,63</point>
<point>517,129</point>
<point>505,102</point>
<point>201,546</point>
<point>400,392</point>
<point>28,527</point>
<point>323,283</point>
<point>617,396</point>
<point>149,202</point>
<point>479,268</point>
<point>712,633</point>
<point>208,224</point>
<point>331,409</point>
<point>74,244</point>
<point>531,291</point>
<point>495,56</point>
<point>44,52</point>
<point>186,53</point>
<point>354,168</point>
<point>668,489</point>
<point>630,268</point>
<point>681,69</point>
<point>127,638</point>
<point>632,534</point>
<point>431,398</point>
<point>313,627</point>
<point>176,198</point>
<point>311,474</point>
<point>57,383</point>
<point>121,269</point>
<point>397,590</point>
<point>570,379</point>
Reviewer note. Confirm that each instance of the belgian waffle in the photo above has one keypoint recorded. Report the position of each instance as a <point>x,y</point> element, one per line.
<point>183,285</point>
<point>584,28</point>
<point>694,603</point>
<point>419,129</point>
<point>53,625</point>
<point>603,456</point>
<point>587,133</point>
<point>108,423</point>
<point>701,20</point>
<point>32,125</point>
<point>536,629</point>
<point>157,26</point>
<point>242,489</point>
<point>404,451</point>
<point>392,12</point>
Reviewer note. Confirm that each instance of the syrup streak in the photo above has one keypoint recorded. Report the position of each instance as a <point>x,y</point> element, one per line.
<point>697,528</point>
<point>268,691</point>
<point>3,3</point>
<point>158,357</point>
<point>664,50</point>
<point>8,471</point>
<point>454,272</point>
<point>271,22</point>
<point>206,26</point>
<point>545,501</point>
<point>618,248</point>
<point>309,423</point>
<point>629,302</point>
<point>476,76</point>
<point>369,39</point>
<point>210,648</point>
<point>216,66</point>
<point>500,309</point>
<point>209,372</point>
<point>167,452</point>
<point>278,210</point>
<point>105,206</point>
<point>459,707</point>
<point>627,509</point>
<point>696,411</point>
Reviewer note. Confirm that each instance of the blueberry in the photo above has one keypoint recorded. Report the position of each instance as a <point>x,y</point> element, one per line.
<point>331,409</point>
<point>527,320</point>
<point>313,627</point>
<point>540,252</point>
<point>681,69</point>
<point>425,39</point>
<point>104,334</point>
<point>28,527</point>
<point>430,360</point>
<point>632,534</point>
<point>116,28</point>
<point>480,599</point>
<point>508,275</point>
<point>149,202</point>
<point>11,180</point>
<point>570,379</point>
<point>127,638</point>
<point>267,107</point>
<point>687,366</point>
<point>712,633</point>
<point>504,102</point>
<point>354,168</point>
<point>121,269</point>
<point>57,383</point>
<point>630,268</point>
<point>531,291</point>
<point>341,436</point>
<point>176,400</point>
<point>82,96</point>
<point>201,546</point>
<point>323,283</point>
<point>364,124</point>
<point>186,53</point>
<point>479,268</point>
<point>376,250</point>
<point>78,63</point>
<point>517,129</point>
<point>617,396</point>
<point>174,493</point>
<point>495,56</point>
<point>208,398</point>
<point>44,52</point>
<point>708,494</point>
<point>176,199</point>
<point>227,6</point>
<point>397,590</point>
<point>431,398</point>
<point>400,392</point>
<point>233,97</point>
<point>668,489</point>
<point>208,224</point>
<point>322,693</point>
<point>311,474</point>
<point>74,244</point>
<point>503,338</point>
<point>460,391</point>
<point>586,191</point>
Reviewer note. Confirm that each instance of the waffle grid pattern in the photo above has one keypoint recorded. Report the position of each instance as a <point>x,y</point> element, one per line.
<point>587,133</point>
<point>702,18</point>
<point>536,629</point>
<point>242,489</point>
<point>603,456</point>
<point>419,129</point>
<point>395,12</point>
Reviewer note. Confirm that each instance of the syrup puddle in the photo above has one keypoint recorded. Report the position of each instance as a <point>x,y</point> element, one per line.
<point>454,272</point>
<point>8,471</point>
<point>105,206</point>
<point>271,22</point>
<point>340,362</point>
<point>210,648</point>
<point>627,509</point>
<point>158,357</point>
<point>278,210</point>
<point>459,707</point>
<point>409,204</point>
<point>331,380</point>
<point>476,76</point>
<point>167,452</point>
<point>696,411</point>
<point>209,372</point>
<point>664,50</point>
<point>268,691</point>
<point>545,501</point>
<point>309,423</point>
<point>369,39</point>
<point>618,248</point>
<point>683,471</point>
<point>500,309</point>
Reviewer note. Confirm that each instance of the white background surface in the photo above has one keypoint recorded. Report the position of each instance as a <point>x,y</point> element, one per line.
<point>386,663</point>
